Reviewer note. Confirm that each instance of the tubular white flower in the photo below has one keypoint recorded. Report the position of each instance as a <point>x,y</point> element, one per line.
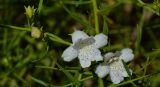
<point>69,54</point>
<point>78,35</point>
<point>84,47</point>
<point>116,68</point>
<point>126,55</point>
<point>101,40</point>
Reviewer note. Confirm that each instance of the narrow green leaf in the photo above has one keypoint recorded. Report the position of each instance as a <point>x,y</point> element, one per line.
<point>56,38</point>
<point>139,31</point>
<point>40,82</point>
<point>47,67</point>
<point>15,27</point>
<point>105,26</point>
<point>86,78</point>
<point>66,73</point>
<point>68,85</point>
<point>145,67</point>
<point>40,6</point>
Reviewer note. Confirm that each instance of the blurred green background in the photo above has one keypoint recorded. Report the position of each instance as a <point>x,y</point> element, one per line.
<point>29,62</point>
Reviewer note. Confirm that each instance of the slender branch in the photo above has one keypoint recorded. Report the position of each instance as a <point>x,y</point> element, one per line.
<point>95,10</point>
<point>15,27</point>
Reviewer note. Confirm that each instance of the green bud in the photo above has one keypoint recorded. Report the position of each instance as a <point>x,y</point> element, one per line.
<point>36,32</point>
<point>29,11</point>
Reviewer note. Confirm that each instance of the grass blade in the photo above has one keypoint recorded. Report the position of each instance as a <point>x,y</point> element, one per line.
<point>40,6</point>
<point>71,78</point>
<point>40,82</point>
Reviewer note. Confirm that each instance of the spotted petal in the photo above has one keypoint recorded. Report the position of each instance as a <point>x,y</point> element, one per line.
<point>101,40</point>
<point>121,69</point>
<point>89,53</point>
<point>126,55</point>
<point>69,54</point>
<point>102,70</point>
<point>117,72</point>
<point>115,77</point>
<point>84,62</point>
<point>78,35</point>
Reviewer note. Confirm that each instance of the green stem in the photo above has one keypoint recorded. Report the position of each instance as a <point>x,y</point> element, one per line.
<point>47,67</point>
<point>100,82</point>
<point>29,25</point>
<point>95,10</point>
<point>89,77</point>
<point>145,69</point>
<point>126,82</point>
<point>15,27</point>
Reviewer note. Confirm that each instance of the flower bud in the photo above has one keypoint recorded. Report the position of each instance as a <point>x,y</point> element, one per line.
<point>36,33</point>
<point>29,11</point>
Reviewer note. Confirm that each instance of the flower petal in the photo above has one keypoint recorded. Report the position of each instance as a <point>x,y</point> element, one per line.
<point>102,70</point>
<point>126,55</point>
<point>115,77</point>
<point>121,69</point>
<point>78,35</point>
<point>117,72</point>
<point>89,53</point>
<point>69,54</point>
<point>82,43</point>
<point>84,63</point>
<point>101,40</point>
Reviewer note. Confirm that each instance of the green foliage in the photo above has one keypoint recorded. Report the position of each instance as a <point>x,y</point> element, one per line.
<point>29,62</point>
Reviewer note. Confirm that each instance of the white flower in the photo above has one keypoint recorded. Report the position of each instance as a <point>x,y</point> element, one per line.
<point>85,48</point>
<point>113,65</point>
